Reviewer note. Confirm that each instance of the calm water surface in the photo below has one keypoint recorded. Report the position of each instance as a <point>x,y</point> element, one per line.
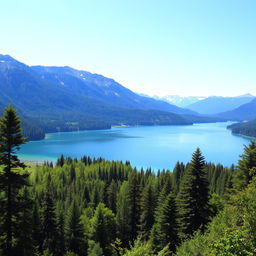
<point>145,146</point>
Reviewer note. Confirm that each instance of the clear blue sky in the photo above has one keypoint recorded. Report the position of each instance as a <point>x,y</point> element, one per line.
<point>185,47</point>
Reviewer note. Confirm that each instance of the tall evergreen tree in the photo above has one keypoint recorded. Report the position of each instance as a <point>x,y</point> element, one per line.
<point>177,175</point>
<point>164,192</point>
<point>49,224</point>
<point>193,197</point>
<point>74,231</point>
<point>244,173</point>
<point>148,203</point>
<point>112,196</point>
<point>11,180</point>
<point>122,215</point>
<point>165,231</point>
<point>60,244</point>
<point>25,245</point>
<point>36,228</point>
<point>104,228</point>
<point>133,201</point>
<point>60,161</point>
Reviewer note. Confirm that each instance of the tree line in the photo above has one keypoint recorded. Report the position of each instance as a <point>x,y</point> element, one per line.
<point>245,128</point>
<point>91,207</point>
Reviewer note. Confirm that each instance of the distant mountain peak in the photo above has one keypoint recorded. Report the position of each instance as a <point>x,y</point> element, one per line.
<point>180,101</point>
<point>247,95</point>
<point>5,57</point>
<point>8,58</point>
<point>9,62</point>
<point>214,105</point>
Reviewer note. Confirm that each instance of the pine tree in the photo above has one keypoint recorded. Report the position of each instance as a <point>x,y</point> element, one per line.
<point>165,191</point>
<point>244,174</point>
<point>122,215</point>
<point>177,175</point>
<point>133,201</point>
<point>11,180</point>
<point>36,228</point>
<point>112,196</point>
<point>24,243</point>
<point>72,172</point>
<point>148,203</point>
<point>74,231</point>
<point>49,225</point>
<point>104,228</point>
<point>95,196</point>
<point>165,231</point>
<point>193,197</point>
<point>60,161</point>
<point>60,244</point>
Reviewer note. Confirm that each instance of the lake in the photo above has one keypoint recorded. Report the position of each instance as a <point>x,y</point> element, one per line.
<point>144,146</point>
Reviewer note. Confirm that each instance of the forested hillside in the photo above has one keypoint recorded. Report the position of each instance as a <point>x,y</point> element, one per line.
<point>102,88</point>
<point>91,207</point>
<point>246,128</point>
<point>53,99</point>
<point>88,205</point>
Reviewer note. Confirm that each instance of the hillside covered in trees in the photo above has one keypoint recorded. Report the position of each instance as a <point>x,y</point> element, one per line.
<point>246,128</point>
<point>94,207</point>
<point>53,99</point>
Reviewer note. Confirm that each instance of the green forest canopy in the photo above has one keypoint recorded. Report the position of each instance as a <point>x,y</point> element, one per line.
<point>97,207</point>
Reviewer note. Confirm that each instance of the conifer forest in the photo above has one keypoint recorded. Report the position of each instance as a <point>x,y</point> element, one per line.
<point>94,207</point>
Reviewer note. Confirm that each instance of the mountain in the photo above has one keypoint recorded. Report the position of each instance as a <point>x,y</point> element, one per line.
<point>245,112</point>
<point>244,128</point>
<point>215,104</point>
<point>63,99</point>
<point>180,101</point>
<point>247,95</point>
<point>104,89</point>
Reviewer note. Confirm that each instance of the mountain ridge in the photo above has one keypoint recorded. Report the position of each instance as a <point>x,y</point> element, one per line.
<point>218,104</point>
<point>107,89</point>
<point>245,112</point>
<point>244,128</point>
<point>179,101</point>
<point>44,102</point>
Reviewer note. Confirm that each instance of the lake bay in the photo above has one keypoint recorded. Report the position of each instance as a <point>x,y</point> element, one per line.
<point>144,146</point>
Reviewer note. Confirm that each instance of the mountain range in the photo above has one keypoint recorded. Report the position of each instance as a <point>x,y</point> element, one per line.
<point>179,101</point>
<point>216,104</point>
<point>51,99</point>
<point>245,112</point>
<point>101,88</point>
<point>240,108</point>
<point>224,107</point>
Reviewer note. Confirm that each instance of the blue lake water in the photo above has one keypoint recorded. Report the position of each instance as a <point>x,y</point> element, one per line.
<point>145,146</point>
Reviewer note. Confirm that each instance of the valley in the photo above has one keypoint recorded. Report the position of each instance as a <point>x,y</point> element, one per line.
<point>156,147</point>
<point>128,128</point>
<point>60,99</point>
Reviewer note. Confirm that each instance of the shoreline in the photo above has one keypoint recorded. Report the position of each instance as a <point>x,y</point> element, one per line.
<point>244,136</point>
<point>119,126</point>
<point>122,126</point>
